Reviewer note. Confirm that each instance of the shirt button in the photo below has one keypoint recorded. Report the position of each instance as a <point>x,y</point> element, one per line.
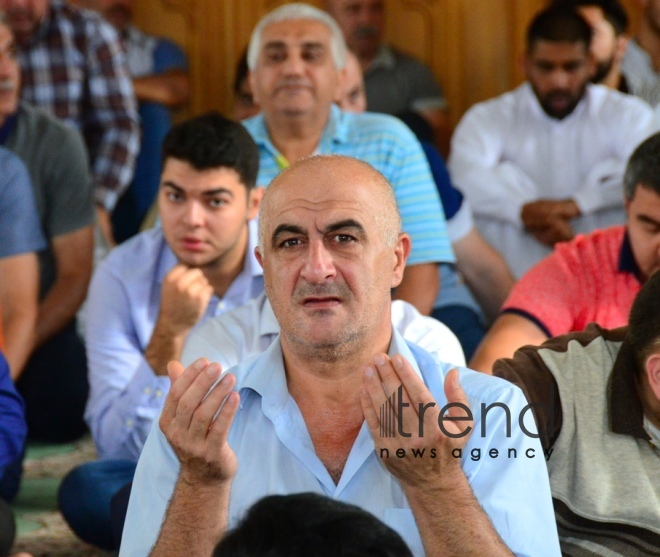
<point>129,423</point>
<point>221,306</point>
<point>158,393</point>
<point>147,390</point>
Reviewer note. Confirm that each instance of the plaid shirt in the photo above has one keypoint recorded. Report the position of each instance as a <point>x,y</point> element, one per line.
<point>74,66</point>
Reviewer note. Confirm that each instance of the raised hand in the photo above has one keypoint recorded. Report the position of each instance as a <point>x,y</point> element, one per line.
<point>190,424</point>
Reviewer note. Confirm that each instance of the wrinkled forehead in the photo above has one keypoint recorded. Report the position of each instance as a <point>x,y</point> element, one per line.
<point>295,32</point>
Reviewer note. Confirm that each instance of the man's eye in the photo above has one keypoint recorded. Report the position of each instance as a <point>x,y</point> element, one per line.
<point>215,203</point>
<point>290,243</point>
<point>343,238</point>
<point>174,196</point>
<point>275,57</point>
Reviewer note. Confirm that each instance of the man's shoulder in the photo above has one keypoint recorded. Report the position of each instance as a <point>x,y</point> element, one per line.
<point>140,255</point>
<point>605,101</point>
<point>502,107</point>
<point>407,61</point>
<point>41,127</point>
<point>372,126</point>
<point>592,248</point>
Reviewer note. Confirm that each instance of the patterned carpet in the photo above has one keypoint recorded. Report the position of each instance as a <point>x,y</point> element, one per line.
<point>41,529</point>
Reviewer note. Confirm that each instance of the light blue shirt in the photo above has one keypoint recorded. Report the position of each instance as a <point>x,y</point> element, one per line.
<point>122,309</point>
<point>276,456</point>
<point>390,147</point>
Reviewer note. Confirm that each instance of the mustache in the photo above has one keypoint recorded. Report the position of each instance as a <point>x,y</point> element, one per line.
<point>307,290</point>
<point>7,85</point>
<point>365,32</point>
<point>293,80</point>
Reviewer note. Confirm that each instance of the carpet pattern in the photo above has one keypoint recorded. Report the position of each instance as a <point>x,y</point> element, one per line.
<point>41,529</point>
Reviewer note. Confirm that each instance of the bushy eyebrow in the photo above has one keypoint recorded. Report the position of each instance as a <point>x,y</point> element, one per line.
<point>207,193</point>
<point>346,224</point>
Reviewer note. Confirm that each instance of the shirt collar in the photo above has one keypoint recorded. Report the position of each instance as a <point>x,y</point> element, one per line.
<point>268,324</point>
<point>384,59</point>
<point>8,127</point>
<point>625,410</point>
<point>336,131</point>
<point>266,377</point>
<point>627,263</point>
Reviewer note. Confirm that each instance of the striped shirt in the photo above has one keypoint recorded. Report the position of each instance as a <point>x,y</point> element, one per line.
<point>74,67</point>
<point>390,147</point>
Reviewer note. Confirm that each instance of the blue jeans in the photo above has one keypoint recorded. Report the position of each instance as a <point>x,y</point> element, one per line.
<point>84,498</point>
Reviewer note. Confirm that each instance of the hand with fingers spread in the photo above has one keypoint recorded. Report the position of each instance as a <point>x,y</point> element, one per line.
<point>190,424</point>
<point>449,517</point>
<point>416,412</point>
<point>185,295</point>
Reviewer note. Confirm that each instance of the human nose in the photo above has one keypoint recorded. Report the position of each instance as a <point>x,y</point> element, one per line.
<point>319,265</point>
<point>194,214</point>
<point>294,64</point>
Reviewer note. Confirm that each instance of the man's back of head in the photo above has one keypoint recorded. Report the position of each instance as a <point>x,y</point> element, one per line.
<point>306,524</point>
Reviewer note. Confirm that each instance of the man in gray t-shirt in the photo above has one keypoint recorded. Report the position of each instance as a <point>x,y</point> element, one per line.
<point>54,381</point>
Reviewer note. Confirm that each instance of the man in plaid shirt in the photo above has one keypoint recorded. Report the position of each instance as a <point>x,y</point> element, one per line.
<point>73,65</point>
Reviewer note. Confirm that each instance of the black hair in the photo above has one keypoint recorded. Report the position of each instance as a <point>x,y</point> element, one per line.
<point>213,141</point>
<point>559,24</point>
<point>241,71</point>
<point>612,10</point>
<point>643,167</point>
<point>643,334</point>
<point>305,524</point>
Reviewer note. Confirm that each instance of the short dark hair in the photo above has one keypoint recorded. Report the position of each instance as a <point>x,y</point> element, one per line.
<point>559,24</point>
<point>643,334</point>
<point>305,524</point>
<point>241,73</point>
<point>643,167</point>
<point>613,12</point>
<point>213,141</point>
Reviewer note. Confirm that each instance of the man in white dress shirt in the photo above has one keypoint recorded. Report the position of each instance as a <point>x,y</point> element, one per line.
<point>544,162</point>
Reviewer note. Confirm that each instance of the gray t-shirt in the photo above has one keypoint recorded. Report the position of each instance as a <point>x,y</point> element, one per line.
<point>57,162</point>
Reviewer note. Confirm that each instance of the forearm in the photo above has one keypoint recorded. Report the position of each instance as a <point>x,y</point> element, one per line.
<point>18,325</point>
<point>195,521</point>
<point>61,304</point>
<point>165,345</point>
<point>451,521</point>
<point>420,287</point>
<point>171,89</point>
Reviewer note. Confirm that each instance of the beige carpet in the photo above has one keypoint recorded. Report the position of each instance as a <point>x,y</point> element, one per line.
<point>41,529</point>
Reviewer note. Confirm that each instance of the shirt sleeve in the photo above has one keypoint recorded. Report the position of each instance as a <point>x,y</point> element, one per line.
<point>125,394</point>
<point>20,230</point>
<point>111,123</point>
<point>551,294</point>
<point>13,428</point>
<point>495,188</point>
<point>602,186</point>
<point>70,189</point>
<point>169,56</point>
<point>419,202</point>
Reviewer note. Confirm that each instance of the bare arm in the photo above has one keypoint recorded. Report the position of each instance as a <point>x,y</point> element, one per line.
<point>420,287</point>
<point>509,332</point>
<point>73,258</point>
<point>485,271</point>
<point>19,295</point>
<point>197,515</point>
<point>171,88</point>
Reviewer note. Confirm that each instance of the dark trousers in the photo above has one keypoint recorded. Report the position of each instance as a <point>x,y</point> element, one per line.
<point>54,386</point>
<point>7,529</point>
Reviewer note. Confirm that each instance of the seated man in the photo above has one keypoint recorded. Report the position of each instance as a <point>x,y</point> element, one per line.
<point>288,46</point>
<point>54,381</point>
<point>544,162</point>
<point>594,278</point>
<point>331,254</point>
<point>477,263</point>
<point>159,71</point>
<point>151,292</point>
<point>307,524</point>
<point>395,82</point>
<point>599,415</point>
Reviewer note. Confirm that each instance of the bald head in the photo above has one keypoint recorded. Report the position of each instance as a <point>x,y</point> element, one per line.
<point>328,180</point>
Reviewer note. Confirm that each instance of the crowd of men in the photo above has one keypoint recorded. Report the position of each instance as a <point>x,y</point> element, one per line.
<point>424,358</point>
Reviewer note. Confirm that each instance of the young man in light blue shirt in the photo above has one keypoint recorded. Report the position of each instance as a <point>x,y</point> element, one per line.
<point>152,291</point>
